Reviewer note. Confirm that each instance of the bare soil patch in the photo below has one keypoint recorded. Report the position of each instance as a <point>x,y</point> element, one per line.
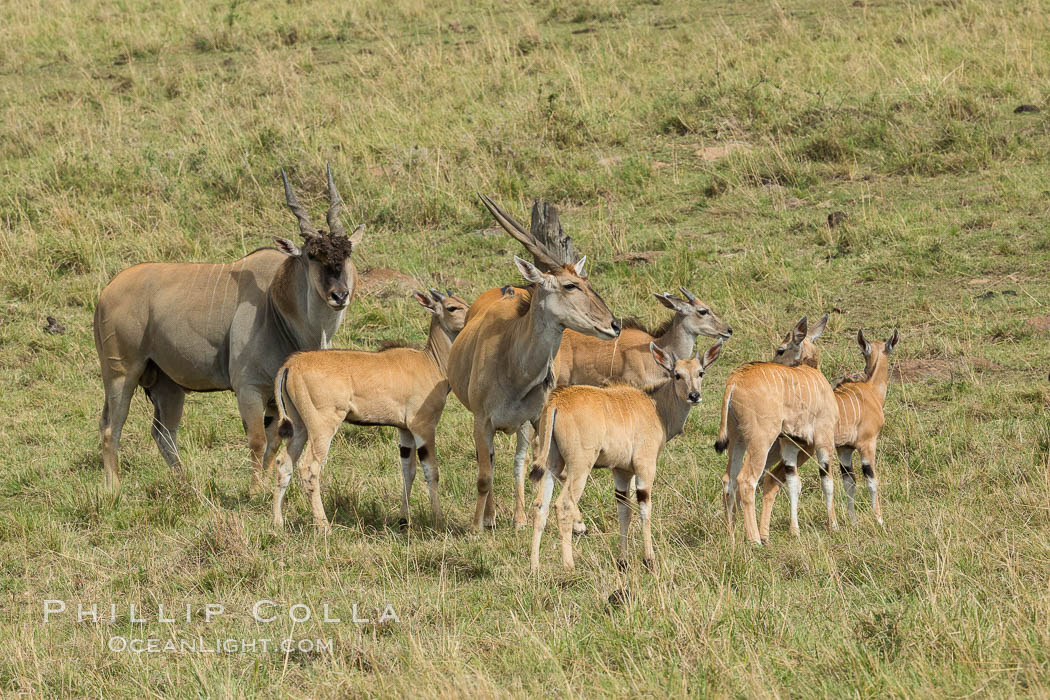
<point>1039,323</point>
<point>639,257</point>
<point>456,285</point>
<point>916,370</point>
<point>721,150</point>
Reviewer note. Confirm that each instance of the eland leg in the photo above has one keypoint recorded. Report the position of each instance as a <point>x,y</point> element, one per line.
<point>251,403</point>
<point>849,481</point>
<point>406,448</point>
<point>119,390</point>
<point>521,452</point>
<point>483,509</point>
<point>168,399</point>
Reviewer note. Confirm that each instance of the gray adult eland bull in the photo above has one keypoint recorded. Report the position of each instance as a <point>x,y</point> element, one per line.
<point>173,328</point>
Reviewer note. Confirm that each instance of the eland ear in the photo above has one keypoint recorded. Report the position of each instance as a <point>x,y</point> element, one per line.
<point>711,355</point>
<point>819,327</point>
<point>356,236</point>
<point>798,334</point>
<point>286,246</point>
<point>663,358</point>
<point>864,346</point>
<point>578,267</point>
<point>530,272</point>
<point>669,300</point>
<point>892,342</point>
<point>425,301</point>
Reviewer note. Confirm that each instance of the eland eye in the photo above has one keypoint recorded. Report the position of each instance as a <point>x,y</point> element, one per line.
<point>703,312</point>
<point>570,286</point>
<point>780,351</point>
<point>677,375</point>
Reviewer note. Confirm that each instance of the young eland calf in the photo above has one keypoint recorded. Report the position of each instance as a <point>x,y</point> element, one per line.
<point>765,402</point>
<point>860,420</point>
<point>619,427</point>
<point>586,359</point>
<point>401,387</point>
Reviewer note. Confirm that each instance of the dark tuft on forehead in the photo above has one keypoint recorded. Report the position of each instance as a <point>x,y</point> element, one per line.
<point>327,249</point>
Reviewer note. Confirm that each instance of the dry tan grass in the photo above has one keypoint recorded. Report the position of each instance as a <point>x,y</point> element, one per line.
<point>141,131</point>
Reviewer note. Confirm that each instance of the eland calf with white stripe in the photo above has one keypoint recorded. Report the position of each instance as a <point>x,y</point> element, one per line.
<point>406,388</point>
<point>585,359</point>
<point>765,402</point>
<point>860,420</point>
<point>619,427</point>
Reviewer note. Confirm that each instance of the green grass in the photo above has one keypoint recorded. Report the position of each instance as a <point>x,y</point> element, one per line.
<point>137,131</point>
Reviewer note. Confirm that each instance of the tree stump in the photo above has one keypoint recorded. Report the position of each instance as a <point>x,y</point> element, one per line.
<point>546,228</point>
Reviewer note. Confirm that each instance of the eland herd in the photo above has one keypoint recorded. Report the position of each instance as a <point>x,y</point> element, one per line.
<point>547,361</point>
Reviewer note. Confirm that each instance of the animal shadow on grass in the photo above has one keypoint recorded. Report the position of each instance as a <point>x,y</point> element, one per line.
<point>87,461</point>
<point>377,515</point>
<point>236,499</point>
<point>473,563</point>
<point>350,510</point>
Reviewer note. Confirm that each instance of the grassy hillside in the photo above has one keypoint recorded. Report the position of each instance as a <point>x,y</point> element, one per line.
<point>703,144</point>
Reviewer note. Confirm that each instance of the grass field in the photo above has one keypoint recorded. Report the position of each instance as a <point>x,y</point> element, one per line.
<point>702,144</point>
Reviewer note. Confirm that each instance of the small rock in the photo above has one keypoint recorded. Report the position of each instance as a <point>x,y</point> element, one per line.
<point>1009,292</point>
<point>1026,109</point>
<point>835,218</point>
<point>986,296</point>
<point>53,326</point>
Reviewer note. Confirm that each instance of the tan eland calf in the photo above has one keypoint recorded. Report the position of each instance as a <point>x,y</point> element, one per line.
<point>764,402</point>
<point>620,427</point>
<point>401,387</point>
<point>860,420</point>
<point>585,359</point>
<point>808,353</point>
